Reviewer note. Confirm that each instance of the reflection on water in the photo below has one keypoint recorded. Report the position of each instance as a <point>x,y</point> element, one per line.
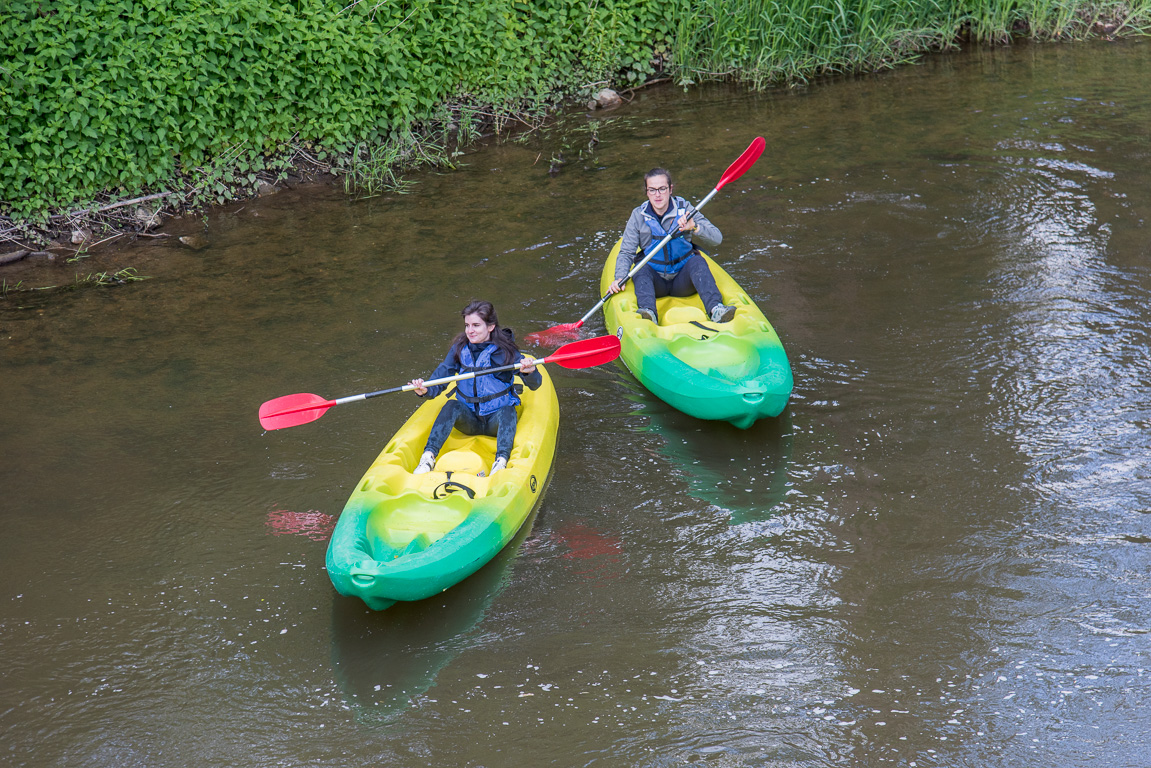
<point>938,556</point>
<point>743,472</point>
<point>385,661</point>
<point>316,525</point>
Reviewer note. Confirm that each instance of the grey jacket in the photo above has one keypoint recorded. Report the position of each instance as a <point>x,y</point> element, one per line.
<point>637,236</point>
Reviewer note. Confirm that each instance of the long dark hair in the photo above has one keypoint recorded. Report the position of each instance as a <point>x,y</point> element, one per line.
<point>501,337</point>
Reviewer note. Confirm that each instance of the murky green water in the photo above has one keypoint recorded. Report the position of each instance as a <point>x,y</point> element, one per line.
<point>939,555</point>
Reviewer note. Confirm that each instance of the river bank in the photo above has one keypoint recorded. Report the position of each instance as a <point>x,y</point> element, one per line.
<point>216,99</point>
<point>175,243</point>
<point>33,257</point>
<point>242,116</point>
<point>82,246</point>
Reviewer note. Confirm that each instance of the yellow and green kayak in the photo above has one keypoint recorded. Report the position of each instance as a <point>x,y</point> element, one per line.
<point>407,537</point>
<point>735,371</point>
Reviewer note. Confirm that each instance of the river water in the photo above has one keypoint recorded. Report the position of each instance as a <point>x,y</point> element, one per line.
<point>938,555</point>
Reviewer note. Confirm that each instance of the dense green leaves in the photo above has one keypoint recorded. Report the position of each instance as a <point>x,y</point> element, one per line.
<point>106,94</point>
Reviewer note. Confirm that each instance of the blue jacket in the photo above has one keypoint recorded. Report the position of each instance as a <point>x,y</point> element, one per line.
<point>637,235</point>
<point>493,390</point>
<point>671,258</point>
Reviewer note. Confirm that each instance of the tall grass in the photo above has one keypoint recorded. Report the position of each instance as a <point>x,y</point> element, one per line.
<point>789,40</point>
<point>1068,19</point>
<point>374,168</point>
<point>765,41</point>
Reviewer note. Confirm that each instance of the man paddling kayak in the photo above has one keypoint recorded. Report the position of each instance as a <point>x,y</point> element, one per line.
<point>678,270</point>
<point>484,405</point>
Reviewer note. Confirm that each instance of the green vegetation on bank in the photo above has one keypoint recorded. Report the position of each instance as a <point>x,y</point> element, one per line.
<point>128,95</point>
<point>119,99</point>
<point>763,42</point>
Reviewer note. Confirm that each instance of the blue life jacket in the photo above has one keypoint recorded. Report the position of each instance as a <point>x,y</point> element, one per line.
<point>483,394</point>
<point>671,258</point>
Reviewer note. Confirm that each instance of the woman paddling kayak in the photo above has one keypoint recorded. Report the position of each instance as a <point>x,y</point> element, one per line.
<point>484,405</point>
<point>406,536</point>
<point>678,269</point>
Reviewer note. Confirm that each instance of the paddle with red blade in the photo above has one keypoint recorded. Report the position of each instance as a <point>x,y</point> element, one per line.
<point>733,172</point>
<point>294,410</point>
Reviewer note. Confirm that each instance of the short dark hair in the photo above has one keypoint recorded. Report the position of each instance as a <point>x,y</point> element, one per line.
<point>658,172</point>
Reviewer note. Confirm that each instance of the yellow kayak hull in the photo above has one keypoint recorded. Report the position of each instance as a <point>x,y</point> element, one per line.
<point>735,371</point>
<point>407,537</point>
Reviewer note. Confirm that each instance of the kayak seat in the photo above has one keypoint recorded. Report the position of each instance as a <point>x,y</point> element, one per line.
<point>683,314</point>
<point>460,461</point>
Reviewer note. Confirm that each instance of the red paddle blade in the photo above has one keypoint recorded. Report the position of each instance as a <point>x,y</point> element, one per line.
<point>293,410</point>
<point>743,162</point>
<point>586,353</point>
<point>549,336</point>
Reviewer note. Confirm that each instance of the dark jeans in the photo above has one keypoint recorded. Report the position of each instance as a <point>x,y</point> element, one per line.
<point>501,425</point>
<point>695,277</point>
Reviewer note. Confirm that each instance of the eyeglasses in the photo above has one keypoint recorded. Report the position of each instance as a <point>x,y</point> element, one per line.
<point>657,190</point>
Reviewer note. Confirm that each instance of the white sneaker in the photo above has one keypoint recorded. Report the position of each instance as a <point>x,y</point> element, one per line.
<point>647,314</point>
<point>427,461</point>
<point>722,313</point>
<point>499,464</point>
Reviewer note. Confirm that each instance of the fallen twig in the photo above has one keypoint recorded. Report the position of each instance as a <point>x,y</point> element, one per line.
<point>121,204</point>
<point>635,88</point>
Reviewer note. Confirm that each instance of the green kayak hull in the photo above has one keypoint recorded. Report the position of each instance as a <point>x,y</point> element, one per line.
<point>407,537</point>
<point>735,371</point>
